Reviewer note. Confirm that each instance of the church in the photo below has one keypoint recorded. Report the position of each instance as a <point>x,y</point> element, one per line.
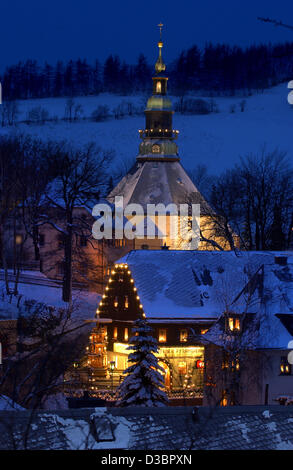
<point>158,179</point>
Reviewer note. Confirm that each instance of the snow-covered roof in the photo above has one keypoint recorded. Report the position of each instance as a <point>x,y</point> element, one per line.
<point>154,182</point>
<point>201,285</point>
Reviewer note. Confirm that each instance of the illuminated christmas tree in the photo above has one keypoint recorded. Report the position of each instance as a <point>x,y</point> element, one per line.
<point>144,384</point>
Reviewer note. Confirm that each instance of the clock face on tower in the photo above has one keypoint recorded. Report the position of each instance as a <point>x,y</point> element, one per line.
<point>156,148</point>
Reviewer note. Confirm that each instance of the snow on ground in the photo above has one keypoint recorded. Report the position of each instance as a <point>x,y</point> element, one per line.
<point>216,140</point>
<point>84,303</point>
<point>6,404</point>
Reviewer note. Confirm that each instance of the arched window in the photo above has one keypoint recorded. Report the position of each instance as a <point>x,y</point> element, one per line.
<point>158,87</point>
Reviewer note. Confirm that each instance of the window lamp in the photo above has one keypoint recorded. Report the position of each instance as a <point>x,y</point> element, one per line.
<point>162,336</point>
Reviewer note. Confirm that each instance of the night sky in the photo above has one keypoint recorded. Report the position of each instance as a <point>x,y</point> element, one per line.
<point>65,29</point>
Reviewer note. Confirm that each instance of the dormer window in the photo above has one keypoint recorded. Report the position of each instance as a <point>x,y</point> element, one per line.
<point>234,324</point>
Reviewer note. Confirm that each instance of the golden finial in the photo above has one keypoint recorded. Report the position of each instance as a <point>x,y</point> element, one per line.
<point>160,66</point>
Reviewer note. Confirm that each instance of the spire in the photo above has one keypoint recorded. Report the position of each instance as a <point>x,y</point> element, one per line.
<point>160,66</point>
<point>158,136</point>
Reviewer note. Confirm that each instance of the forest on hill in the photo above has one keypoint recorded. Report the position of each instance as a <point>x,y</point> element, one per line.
<point>218,69</point>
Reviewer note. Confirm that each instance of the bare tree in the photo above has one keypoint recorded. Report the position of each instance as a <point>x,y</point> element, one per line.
<point>79,183</point>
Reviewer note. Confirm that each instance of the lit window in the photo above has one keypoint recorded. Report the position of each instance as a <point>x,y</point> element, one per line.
<point>126,304</point>
<point>159,87</point>
<point>116,302</point>
<point>162,336</point>
<point>126,334</point>
<point>224,401</point>
<point>115,332</point>
<point>285,367</point>
<point>234,324</point>
<point>183,336</point>
<point>18,239</point>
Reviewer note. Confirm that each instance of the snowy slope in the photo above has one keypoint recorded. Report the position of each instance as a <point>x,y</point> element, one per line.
<point>216,140</point>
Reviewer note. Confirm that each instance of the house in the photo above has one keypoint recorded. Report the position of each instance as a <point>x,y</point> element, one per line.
<point>195,301</point>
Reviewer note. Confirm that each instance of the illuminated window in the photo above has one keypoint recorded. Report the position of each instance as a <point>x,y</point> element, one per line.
<point>159,87</point>
<point>125,334</point>
<point>162,336</point>
<point>183,336</point>
<point>115,332</point>
<point>285,367</point>
<point>126,304</point>
<point>18,239</point>
<point>116,302</point>
<point>224,401</point>
<point>234,324</point>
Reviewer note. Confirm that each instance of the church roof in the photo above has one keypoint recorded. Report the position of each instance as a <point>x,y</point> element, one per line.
<point>154,182</point>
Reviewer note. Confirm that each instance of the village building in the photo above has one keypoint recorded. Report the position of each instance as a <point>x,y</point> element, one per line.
<point>223,323</point>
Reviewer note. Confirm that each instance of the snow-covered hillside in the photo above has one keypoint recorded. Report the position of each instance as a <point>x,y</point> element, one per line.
<point>216,140</point>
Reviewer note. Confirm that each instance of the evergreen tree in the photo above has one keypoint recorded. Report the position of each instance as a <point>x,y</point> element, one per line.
<point>143,386</point>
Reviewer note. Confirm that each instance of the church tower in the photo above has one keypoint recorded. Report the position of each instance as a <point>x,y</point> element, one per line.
<point>158,178</point>
<point>158,137</point>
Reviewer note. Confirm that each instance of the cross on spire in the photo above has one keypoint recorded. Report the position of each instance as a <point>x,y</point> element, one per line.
<point>161,27</point>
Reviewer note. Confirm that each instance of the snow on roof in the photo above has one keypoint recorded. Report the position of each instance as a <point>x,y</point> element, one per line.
<point>197,285</point>
<point>158,182</point>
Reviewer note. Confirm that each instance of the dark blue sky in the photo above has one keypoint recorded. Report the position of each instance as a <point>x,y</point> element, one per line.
<point>64,29</point>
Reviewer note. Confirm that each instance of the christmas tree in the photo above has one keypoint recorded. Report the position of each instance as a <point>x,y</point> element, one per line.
<point>144,384</point>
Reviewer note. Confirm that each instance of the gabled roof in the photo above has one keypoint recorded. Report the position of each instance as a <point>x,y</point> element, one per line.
<point>201,285</point>
<point>154,182</point>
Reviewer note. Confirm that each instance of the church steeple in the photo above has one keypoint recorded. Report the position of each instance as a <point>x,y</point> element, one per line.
<point>160,66</point>
<point>158,135</point>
